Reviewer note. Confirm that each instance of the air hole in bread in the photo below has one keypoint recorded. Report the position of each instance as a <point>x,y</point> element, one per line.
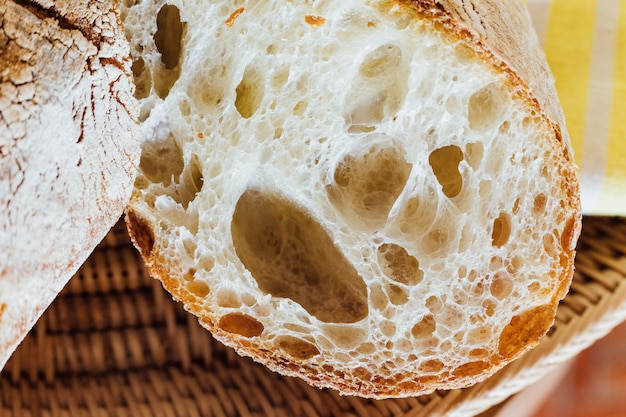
<point>397,295</point>
<point>516,206</point>
<point>479,352</point>
<point>271,49</point>
<point>141,78</point>
<point>190,248</point>
<point>489,307</point>
<point>290,255</point>
<point>250,92</point>
<point>380,88</point>
<point>501,230</point>
<point>445,165</point>
<point>471,276</point>
<point>431,366</point>
<point>450,316</point>
<point>474,152</point>
<point>381,61</point>
<point>366,348</point>
<point>362,129</point>
<point>539,204</point>
<point>453,105</point>
<point>534,287</point>
<point>367,183</point>
<point>168,36</point>
<point>388,328</point>
<point>379,299</point>
<point>168,40</point>
<point>399,265</point>
<point>198,288</point>
<point>434,304</point>
<point>460,296</point>
<point>405,345</point>
<point>228,298</point>
<point>161,161</point>
<point>440,237</point>
<point>496,263</point>
<point>424,328</point>
<point>296,328</point>
<point>514,265</point>
<point>477,289</point>
<point>296,348</point>
<point>478,335</point>
<point>299,108</point>
<point>190,183</point>
<point>484,188</point>
<point>346,337</point>
<point>418,212</point>
<point>501,286</point>
<point>250,300</point>
<point>207,89</point>
<point>545,173</point>
<point>241,324</point>
<point>549,245</point>
<point>279,78</point>
<point>190,275</point>
<point>185,108</point>
<point>485,107</point>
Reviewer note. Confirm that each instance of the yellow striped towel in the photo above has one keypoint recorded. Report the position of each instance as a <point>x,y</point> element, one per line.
<point>585,43</point>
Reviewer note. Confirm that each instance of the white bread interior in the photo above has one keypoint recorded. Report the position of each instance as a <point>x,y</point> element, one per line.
<point>359,193</point>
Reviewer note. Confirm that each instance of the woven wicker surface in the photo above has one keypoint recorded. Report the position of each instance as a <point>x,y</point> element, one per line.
<point>115,344</point>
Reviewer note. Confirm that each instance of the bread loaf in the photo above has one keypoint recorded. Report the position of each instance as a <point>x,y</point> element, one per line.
<point>375,196</point>
<point>69,147</point>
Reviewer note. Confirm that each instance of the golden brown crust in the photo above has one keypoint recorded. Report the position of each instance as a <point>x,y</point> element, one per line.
<point>140,233</point>
<point>524,331</point>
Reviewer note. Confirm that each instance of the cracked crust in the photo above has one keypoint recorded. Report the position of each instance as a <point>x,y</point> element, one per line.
<point>68,147</point>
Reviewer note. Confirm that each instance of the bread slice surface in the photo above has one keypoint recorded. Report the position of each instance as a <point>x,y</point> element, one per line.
<point>375,196</point>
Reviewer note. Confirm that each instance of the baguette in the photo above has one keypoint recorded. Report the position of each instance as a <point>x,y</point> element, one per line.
<point>69,148</point>
<point>378,197</point>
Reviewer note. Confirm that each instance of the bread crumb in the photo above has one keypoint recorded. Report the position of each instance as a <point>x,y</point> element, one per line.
<point>314,20</point>
<point>231,19</point>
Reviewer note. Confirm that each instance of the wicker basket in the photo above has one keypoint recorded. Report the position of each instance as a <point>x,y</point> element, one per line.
<point>115,344</point>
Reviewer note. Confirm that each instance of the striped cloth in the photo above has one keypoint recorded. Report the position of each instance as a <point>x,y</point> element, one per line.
<point>585,43</point>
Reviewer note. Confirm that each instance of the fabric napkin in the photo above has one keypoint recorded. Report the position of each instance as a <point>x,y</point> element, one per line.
<point>585,44</point>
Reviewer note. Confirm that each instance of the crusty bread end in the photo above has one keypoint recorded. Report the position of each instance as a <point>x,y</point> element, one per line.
<point>375,196</point>
<point>69,148</point>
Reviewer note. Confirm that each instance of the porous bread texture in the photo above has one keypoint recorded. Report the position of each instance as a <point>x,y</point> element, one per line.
<point>69,148</point>
<point>358,193</point>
